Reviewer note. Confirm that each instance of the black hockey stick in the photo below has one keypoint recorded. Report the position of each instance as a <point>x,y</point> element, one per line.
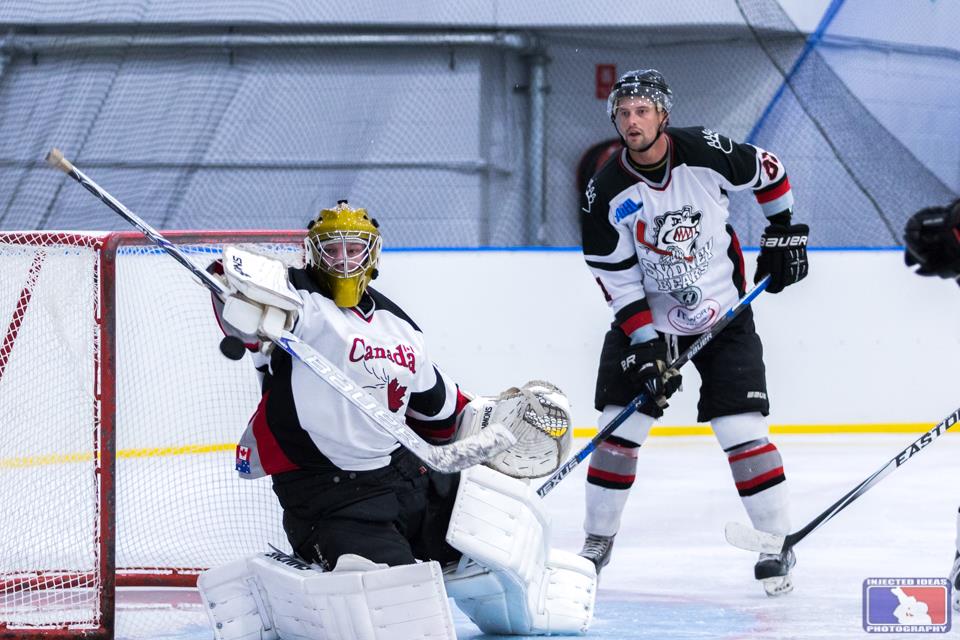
<point>444,458</point>
<point>637,402</point>
<point>744,537</point>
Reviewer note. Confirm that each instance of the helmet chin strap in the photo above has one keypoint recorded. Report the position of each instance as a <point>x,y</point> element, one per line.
<point>657,137</point>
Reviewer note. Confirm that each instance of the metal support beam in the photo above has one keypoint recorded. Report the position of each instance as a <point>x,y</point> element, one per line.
<point>536,149</point>
<point>30,43</point>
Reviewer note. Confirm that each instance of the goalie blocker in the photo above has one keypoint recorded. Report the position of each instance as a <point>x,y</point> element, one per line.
<point>508,581</point>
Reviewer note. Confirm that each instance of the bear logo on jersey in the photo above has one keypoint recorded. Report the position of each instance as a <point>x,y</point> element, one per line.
<point>681,261</point>
<point>677,232</point>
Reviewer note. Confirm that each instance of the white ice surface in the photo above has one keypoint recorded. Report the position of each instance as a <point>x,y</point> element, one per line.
<point>674,577</point>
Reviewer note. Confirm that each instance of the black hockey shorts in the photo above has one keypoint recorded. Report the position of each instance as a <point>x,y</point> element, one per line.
<point>396,514</point>
<point>730,366</point>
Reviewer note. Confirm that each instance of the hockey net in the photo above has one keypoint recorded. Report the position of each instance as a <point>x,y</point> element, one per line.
<point>120,418</point>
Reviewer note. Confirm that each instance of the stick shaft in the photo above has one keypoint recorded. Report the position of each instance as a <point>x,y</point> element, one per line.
<point>868,483</point>
<point>446,459</point>
<point>639,401</point>
<point>56,159</point>
<point>744,537</point>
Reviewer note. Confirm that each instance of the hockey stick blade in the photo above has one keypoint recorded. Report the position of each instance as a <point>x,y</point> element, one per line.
<point>443,458</point>
<point>641,399</point>
<point>744,537</point>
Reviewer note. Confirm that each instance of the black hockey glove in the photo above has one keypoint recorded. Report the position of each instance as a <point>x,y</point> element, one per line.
<point>783,255</point>
<point>645,367</point>
<point>932,239</point>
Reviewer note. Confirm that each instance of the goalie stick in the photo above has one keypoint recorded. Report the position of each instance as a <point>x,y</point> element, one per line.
<point>445,459</point>
<point>637,402</point>
<point>744,537</point>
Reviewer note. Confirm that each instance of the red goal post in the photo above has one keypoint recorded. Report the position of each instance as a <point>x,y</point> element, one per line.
<point>119,418</point>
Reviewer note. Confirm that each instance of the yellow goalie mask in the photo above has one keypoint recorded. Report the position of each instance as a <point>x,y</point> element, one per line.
<point>343,249</point>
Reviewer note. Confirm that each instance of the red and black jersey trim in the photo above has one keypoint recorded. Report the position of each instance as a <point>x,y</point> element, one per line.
<point>773,191</point>
<point>609,477</point>
<point>761,482</point>
<point>290,440</point>
<point>272,457</point>
<point>441,430</point>
<point>623,265</point>
<point>383,303</point>
<point>629,169</point>
<point>609,480</point>
<point>735,254</point>
<point>633,316</point>
<point>430,403</point>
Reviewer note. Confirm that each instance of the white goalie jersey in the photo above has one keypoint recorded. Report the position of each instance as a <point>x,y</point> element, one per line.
<point>301,421</point>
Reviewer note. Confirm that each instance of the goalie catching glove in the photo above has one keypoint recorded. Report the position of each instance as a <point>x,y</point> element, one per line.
<point>261,303</point>
<point>538,414</point>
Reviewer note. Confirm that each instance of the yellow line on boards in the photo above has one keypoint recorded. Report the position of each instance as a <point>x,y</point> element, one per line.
<point>578,432</point>
<point>705,430</point>
<point>147,452</point>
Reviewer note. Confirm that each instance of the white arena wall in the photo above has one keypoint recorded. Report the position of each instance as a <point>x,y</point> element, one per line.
<point>861,345</point>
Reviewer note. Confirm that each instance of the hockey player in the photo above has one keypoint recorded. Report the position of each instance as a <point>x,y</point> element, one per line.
<point>932,239</point>
<point>656,238</point>
<point>370,525</point>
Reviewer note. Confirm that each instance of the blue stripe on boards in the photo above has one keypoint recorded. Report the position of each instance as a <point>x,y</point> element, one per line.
<point>577,249</point>
<point>484,249</point>
<point>215,250</point>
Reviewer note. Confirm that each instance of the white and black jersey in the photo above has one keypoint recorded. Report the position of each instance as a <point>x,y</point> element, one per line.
<point>302,423</point>
<point>663,252</point>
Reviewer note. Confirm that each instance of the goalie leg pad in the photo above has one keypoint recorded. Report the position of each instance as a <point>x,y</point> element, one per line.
<point>358,600</point>
<point>235,602</point>
<point>570,590</point>
<point>519,586</point>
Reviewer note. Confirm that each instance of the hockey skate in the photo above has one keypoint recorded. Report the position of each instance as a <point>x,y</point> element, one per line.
<point>954,578</point>
<point>773,571</point>
<point>597,550</point>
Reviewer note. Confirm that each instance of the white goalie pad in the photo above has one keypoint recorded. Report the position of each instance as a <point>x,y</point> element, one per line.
<point>518,585</point>
<point>538,414</point>
<point>262,300</point>
<point>235,603</point>
<point>358,600</point>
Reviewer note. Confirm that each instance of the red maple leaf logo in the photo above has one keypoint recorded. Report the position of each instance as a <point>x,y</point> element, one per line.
<point>395,393</point>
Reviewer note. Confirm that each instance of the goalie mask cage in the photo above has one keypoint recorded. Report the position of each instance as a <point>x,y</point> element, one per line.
<point>119,419</point>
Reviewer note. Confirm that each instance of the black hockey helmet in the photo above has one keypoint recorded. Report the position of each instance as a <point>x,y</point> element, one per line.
<point>647,83</point>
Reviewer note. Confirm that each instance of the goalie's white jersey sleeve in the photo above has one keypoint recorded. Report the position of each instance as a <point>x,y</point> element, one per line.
<point>301,422</point>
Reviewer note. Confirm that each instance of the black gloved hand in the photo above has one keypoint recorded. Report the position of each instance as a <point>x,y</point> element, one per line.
<point>783,255</point>
<point>932,239</point>
<point>645,367</point>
